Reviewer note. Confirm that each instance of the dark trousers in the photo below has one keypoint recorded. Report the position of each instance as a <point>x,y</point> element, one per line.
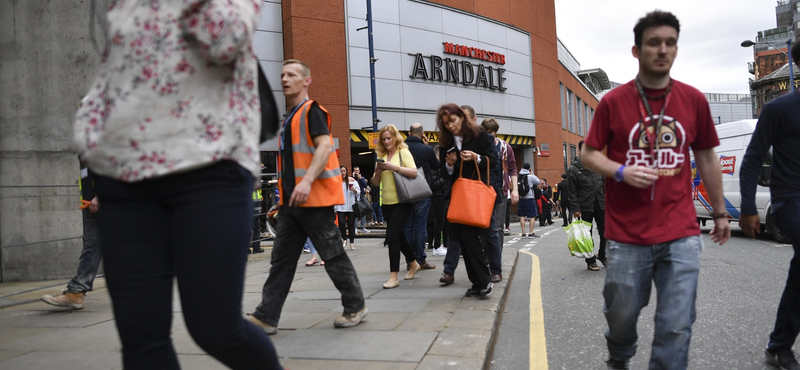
<point>396,216</point>
<point>89,262</point>
<point>787,322</point>
<point>599,216</point>
<point>347,224</point>
<point>294,226</point>
<point>468,238</point>
<point>493,243</point>
<point>546,217</point>
<point>194,226</point>
<point>508,213</point>
<point>256,238</point>
<point>566,215</point>
<point>436,222</point>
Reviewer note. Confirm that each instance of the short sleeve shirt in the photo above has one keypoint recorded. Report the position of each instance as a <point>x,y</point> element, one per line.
<point>317,125</point>
<point>617,126</point>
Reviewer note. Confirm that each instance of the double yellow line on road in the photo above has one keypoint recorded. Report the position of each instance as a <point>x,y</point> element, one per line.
<point>538,345</point>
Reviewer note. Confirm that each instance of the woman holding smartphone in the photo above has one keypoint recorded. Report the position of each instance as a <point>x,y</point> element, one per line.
<point>347,219</point>
<point>394,156</point>
<point>462,140</point>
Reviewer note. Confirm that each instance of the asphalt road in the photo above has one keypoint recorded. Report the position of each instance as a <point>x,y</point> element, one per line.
<point>739,289</point>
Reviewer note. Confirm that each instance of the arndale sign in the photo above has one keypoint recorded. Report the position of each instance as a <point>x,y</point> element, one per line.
<point>462,71</point>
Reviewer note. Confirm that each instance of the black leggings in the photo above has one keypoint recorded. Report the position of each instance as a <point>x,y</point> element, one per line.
<point>347,223</point>
<point>396,216</point>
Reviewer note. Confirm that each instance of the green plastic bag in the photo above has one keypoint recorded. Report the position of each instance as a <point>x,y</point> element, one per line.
<point>579,239</point>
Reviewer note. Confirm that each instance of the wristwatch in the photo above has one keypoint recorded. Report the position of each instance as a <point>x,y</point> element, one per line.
<point>618,175</point>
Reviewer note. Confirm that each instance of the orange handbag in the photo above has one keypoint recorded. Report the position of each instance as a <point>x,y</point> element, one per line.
<point>472,201</point>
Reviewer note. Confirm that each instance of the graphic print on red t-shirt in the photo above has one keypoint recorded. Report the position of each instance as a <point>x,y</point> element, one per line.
<point>671,143</point>
<point>664,212</point>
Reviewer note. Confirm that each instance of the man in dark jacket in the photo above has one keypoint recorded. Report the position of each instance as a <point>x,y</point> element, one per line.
<point>561,198</point>
<point>416,228</point>
<point>586,201</point>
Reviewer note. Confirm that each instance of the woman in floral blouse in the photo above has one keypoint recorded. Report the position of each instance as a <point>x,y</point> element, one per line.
<point>170,125</point>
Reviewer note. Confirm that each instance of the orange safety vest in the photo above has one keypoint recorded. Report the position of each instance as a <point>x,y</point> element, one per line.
<point>326,190</point>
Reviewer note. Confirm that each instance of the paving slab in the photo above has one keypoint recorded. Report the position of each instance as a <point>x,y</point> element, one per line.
<point>437,362</point>
<point>356,345</point>
<point>420,325</point>
<point>472,319</point>
<point>307,364</point>
<point>64,360</point>
<point>462,342</point>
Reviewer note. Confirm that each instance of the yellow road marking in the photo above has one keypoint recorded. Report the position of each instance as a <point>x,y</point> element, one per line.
<point>538,346</point>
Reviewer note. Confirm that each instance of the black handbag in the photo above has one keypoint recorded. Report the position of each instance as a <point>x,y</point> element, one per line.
<point>270,123</point>
<point>362,207</point>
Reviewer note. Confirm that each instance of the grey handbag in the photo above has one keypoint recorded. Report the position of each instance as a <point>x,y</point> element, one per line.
<point>411,190</point>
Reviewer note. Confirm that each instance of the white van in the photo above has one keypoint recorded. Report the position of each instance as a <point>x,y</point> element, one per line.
<point>734,137</point>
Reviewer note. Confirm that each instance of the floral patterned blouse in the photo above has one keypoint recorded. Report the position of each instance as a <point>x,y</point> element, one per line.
<point>176,90</point>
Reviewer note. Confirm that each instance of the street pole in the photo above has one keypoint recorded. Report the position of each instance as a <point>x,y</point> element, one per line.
<point>372,61</point>
<point>791,68</point>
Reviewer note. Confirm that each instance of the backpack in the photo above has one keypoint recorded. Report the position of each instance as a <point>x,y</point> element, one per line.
<point>522,185</point>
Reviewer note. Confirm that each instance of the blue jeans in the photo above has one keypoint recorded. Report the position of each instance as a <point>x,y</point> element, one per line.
<point>194,226</point>
<point>377,215</point>
<point>674,267</point>
<point>295,225</point>
<point>787,322</point>
<point>89,261</point>
<point>416,229</point>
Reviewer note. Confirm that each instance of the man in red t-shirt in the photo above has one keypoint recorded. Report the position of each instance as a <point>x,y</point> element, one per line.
<point>647,127</point>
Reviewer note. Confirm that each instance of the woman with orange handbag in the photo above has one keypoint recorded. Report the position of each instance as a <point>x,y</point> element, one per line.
<point>394,156</point>
<point>461,139</point>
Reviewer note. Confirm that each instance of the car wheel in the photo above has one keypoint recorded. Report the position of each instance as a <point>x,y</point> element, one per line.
<point>778,235</point>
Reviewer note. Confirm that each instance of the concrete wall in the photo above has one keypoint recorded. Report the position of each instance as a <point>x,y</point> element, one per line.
<point>47,60</point>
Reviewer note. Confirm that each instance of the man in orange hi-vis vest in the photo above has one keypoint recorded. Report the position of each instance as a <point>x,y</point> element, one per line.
<point>310,185</point>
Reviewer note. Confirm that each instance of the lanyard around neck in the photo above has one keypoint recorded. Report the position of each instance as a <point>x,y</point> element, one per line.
<point>288,118</point>
<point>646,112</point>
<point>652,137</point>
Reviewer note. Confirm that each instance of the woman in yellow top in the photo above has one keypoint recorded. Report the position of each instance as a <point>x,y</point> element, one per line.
<point>394,156</point>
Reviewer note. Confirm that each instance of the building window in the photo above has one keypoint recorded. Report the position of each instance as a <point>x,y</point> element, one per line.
<point>586,118</point>
<point>564,155</point>
<point>578,116</point>
<point>570,112</point>
<point>573,152</point>
<point>563,100</point>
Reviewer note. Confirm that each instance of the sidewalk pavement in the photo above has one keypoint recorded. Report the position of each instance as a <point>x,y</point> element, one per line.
<point>419,325</point>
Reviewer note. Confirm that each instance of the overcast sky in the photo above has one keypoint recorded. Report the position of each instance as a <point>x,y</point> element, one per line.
<point>599,34</point>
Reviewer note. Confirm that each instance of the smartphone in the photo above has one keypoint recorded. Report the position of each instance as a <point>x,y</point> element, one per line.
<point>451,149</point>
<point>380,160</point>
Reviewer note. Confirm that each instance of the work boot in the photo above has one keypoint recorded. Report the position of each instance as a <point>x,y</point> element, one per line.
<point>71,300</point>
<point>267,328</point>
<point>348,320</point>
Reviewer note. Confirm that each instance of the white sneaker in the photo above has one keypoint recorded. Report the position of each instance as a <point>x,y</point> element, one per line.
<point>441,251</point>
<point>364,231</point>
<point>506,231</point>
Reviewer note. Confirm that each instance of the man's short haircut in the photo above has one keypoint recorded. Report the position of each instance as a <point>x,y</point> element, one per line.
<point>580,145</point>
<point>469,110</point>
<point>490,125</point>
<point>416,129</point>
<point>796,53</point>
<point>564,176</point>
<point>654,19</point>
<point>544,179</point>
<point>303,67</point>
<point>526,165</point>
